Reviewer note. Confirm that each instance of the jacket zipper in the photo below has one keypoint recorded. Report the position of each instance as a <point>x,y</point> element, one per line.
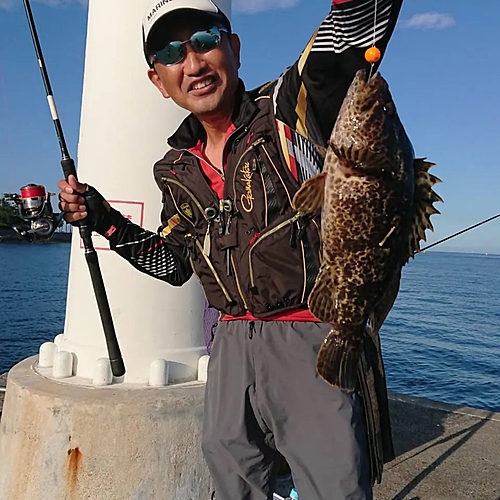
<point>220,173</point>
<point>285,223</point>
<point>272,205</point>
<point>215,169</point>
<point>304,270</point>
<point>238,285</point>
<point>266,204</point>
<point>277,172</point>
<point>319,234</point>
<point>212,269</point>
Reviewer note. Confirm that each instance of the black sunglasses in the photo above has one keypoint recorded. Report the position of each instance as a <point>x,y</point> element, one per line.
<point>202,41</point>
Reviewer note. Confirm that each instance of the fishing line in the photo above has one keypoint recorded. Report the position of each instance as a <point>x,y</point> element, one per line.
<point>459,233</point>
<point>369,57</point>
<point>375,23</point>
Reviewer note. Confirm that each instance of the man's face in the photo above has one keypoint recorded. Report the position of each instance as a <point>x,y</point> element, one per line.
<point>202,83</point>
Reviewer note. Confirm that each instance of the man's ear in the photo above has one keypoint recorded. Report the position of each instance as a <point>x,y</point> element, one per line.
<point>155,79</point>
<point>236,48</point>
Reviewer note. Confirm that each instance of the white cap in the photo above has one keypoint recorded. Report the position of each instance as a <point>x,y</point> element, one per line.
<point>159,8</point>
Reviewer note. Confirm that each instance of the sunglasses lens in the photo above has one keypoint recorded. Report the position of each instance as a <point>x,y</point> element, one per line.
<point>201,41</point>
<point>171,54</point>
<point>205,41</point>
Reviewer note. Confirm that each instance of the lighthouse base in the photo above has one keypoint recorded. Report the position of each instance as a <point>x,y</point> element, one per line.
<point>67,442</point>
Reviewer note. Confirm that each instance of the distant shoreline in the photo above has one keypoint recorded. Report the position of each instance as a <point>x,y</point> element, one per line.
<point>8,235</point>
<point>462,252</point>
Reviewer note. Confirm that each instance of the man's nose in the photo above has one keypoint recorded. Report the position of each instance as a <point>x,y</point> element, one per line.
<point>194,62</point>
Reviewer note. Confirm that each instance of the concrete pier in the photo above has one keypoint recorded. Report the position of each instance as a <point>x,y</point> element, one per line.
<point>444,452</point>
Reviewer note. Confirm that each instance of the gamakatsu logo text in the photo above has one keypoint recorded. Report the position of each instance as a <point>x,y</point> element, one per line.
<point>246,177</point>
<point>156,8</point>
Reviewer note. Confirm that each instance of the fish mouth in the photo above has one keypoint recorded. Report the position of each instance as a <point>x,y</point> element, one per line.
<point>365,95</point>
<point>375,81</point>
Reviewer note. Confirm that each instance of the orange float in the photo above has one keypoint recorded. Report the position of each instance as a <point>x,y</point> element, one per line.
<point>372,55</point>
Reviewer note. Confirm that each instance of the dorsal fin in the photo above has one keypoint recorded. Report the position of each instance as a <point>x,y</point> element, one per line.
<point>424,199</point>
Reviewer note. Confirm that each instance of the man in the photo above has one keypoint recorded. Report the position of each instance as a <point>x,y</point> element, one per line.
<point>227,185</point>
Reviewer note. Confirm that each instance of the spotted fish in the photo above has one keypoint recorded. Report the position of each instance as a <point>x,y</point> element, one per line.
<point>376,201</point>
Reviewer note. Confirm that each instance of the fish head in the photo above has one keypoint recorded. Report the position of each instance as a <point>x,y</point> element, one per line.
<point>368,136</point>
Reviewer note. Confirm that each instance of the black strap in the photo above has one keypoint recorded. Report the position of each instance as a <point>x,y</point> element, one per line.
<point>311,267</point>
<point>273,209</point>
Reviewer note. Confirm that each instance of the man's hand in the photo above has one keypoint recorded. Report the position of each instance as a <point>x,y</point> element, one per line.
<point>70,201</point>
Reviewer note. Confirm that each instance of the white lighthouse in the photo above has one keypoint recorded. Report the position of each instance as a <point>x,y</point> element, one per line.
<point>69,430</point>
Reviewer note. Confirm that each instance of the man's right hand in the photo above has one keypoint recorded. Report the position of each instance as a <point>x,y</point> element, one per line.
<point>71,202</point>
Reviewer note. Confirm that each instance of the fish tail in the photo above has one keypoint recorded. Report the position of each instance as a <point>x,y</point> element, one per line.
<point>338,360</point>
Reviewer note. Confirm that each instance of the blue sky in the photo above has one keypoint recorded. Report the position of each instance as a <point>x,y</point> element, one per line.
<point>442,66</point>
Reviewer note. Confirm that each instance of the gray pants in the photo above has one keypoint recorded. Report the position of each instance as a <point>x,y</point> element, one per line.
<point>264,395</point>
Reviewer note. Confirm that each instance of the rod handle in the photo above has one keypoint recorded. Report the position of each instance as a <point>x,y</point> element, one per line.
<point>115,356</point>
<point>68,166</point>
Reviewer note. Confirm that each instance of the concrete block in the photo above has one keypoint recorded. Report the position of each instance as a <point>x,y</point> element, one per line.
<point>67,442</point>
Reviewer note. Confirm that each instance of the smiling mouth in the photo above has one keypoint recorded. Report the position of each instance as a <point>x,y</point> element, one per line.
<point>203,84</point>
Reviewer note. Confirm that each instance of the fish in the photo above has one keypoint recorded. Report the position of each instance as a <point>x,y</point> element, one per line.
<point>375,201</point>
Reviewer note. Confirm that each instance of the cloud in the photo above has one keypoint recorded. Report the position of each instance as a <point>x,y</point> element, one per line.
<point>430,21</point>
<point>253,6</point>
<point>9,4</point>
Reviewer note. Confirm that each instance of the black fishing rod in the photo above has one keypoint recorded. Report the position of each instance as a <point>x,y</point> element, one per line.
<point>68,166</point>
<point>459,233</point>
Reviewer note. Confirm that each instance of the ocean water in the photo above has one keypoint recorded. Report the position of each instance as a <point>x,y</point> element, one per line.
<point>442,338</point>
<point>440,341</point>
<point>33,284</point>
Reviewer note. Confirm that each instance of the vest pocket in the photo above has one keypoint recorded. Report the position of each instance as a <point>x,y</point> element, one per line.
<point>216,292</point>
<point>279,274</point>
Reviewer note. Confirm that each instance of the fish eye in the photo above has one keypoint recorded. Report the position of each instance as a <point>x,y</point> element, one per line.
<point>390,108</point>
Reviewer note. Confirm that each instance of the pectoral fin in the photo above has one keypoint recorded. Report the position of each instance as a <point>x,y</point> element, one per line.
<point>310,196</point>
<point>322,298</point>
<point>384,305</point>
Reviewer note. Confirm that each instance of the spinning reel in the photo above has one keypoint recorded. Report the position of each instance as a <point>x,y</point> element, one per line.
<point>35,208</point>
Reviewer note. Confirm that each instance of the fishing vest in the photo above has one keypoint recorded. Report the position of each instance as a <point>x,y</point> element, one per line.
<point>251,251</point>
